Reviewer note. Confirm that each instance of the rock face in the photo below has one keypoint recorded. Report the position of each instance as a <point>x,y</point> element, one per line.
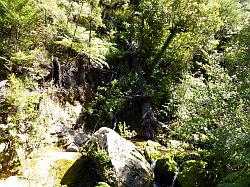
<point>14,181</point>
<point>130,167</point>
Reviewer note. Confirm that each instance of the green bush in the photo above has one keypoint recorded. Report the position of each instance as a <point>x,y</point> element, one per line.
<point>101,111</point>
<point>21,126</point>
<point>212,116</point>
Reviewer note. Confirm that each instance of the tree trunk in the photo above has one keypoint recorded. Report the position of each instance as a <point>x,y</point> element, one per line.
<point>166,44</point>
<point>148,121</point>
<point>56,72</point>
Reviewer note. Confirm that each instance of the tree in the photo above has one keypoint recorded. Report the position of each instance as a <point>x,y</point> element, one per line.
<point>17,19</point>
<point>172,24</point>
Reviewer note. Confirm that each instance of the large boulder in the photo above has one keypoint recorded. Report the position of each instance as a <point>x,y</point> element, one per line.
<point>48,167</point>
<point>129,166</point>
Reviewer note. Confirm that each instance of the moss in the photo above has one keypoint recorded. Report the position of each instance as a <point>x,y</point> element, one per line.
<point>67,171</point>
<point>194,174</point>
<point>153,150</point>
<point>151,154</point>
<point>165,170</point>
<point>102,184</point>
<point>103,162</point>
<point>49,166</point>
<point>41,151</point>
<point>165,166</point>
<point>59,170</point>
<point>191,164</point>
<point>82,173</point>
<point>167,163</point>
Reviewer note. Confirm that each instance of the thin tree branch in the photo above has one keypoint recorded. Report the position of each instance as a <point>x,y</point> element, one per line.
<point>165,46</point>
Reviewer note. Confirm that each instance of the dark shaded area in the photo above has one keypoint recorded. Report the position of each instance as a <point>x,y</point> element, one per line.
<point>78,82</point>
<point>199,60</point>
<point>137,112</point>
<point>82,173</point>
<point>149,123</point>
<point>56,71</point>
<point>97,77</point>
<point>3,71</point>
<point>163,177</point>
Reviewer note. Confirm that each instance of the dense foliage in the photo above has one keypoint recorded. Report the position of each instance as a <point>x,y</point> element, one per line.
<point>195,56</point>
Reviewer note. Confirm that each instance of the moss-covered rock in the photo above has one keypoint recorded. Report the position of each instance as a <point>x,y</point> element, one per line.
<point>102,184</point>
<point>176,156</point>
<point>194,174</point>
<point>165,169</point>
<point>48,168</point>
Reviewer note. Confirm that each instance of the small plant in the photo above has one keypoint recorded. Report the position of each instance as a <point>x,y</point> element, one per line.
<point>103,162</point>
<point>124,130</point>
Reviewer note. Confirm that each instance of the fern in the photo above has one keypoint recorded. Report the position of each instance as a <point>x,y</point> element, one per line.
<point>96,50</point>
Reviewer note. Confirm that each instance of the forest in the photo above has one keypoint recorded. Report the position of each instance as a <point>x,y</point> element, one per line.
<point>175,72</point>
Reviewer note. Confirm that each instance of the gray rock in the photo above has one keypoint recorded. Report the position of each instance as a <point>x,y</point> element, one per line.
<point>81,138</point>
<point>3,90</point>
<point>2,147</point>
<point>130,167</point>
<point>72,147</point>
<point>3,83</point>
<point>61,134</point>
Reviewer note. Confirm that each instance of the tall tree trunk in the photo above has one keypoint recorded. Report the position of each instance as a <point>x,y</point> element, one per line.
<point>149,122</point>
